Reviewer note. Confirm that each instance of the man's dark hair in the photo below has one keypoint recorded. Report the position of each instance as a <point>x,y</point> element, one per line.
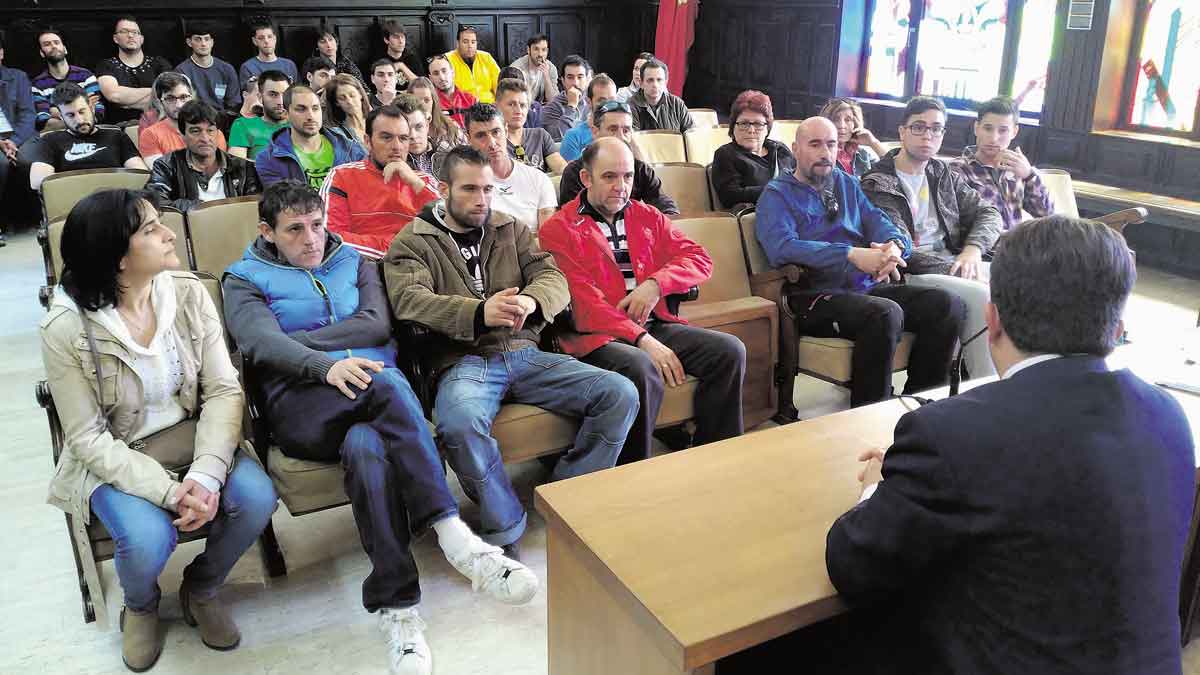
<point>315,63</point>
<point>466,29</point>
<point>921,104</point>
<point>393,27</point>
<point>510,84</point>
<point>296,89</point>
<point>644,55</point>
<point>389,110</point>
<point>65,93</point>
<point>480,112</point>
<point>195,28</point>
<point>260,23</point>
<point>125,17</point>
<point>37,38</point>
<point>458,155</point>
<point>511,73</point>
<point>540,37</point>
<point>576,60</point>
<point>1060,285</point>
<point>168,80</point>
<point>272,75</point>
<point>1001,105</point>
<point>196,111</point>
<point>598,81</point>
<point>653,62</point>
<point>407,104</point>
<point>278,197</point>
<point>382,62</point>
<point>94,240</point>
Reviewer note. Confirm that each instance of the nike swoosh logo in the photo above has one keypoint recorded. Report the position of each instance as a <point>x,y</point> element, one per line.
<point>80,151</point>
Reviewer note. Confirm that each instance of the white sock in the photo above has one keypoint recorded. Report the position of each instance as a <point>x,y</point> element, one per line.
<point>454,536</point>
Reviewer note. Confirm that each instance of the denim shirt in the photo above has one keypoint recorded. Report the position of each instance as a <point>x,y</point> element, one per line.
<point>793,227</point>
<point>16,99</point>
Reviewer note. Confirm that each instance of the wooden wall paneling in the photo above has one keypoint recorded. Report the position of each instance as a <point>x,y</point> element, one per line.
<point>296,38</point>
<point>359,39</point>
<point>1178,172</point>
<point>823,58</point>
<point>567,36</point>
<point>1122,161</point>
<point>1063,148</point>
<point>513,31</point>
<point>798,62</point>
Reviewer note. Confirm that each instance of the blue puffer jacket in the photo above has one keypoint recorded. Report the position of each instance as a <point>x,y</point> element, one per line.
<point>304,300</point>
<point>278,161</point>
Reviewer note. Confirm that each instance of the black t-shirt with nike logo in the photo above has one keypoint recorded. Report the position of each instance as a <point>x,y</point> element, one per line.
<point>105,148</point>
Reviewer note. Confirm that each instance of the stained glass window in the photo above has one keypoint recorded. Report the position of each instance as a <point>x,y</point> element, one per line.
<point>1168,78</point>
<point>961,48</point>
<point>887,44</point>
<point>1033,54</point>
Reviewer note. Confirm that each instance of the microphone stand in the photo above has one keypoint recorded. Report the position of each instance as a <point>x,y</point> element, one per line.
<point>956,364</point>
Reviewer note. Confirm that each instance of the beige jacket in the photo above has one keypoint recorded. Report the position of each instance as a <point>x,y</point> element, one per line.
<point>95,426</point>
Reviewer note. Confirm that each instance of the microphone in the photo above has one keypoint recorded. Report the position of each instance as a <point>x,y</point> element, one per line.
<point>956,364</point>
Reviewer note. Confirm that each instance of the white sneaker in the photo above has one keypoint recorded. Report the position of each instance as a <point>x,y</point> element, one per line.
<point>502,578</point>
<point>407,650</point>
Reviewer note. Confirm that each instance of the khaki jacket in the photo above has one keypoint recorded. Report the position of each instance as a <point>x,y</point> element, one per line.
<point>96,424</point>
<point>428,283</point>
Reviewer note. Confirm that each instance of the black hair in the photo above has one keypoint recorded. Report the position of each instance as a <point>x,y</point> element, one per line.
<point>196,111</point>
<point>921,104</point>
<point>37,38</point>
<point>1060,285</point>
<point>66,92</point>
<point>390,110</point>
<point>125,17</point>
<point>274,76</point>
<point>315,63</point>
<point>393,27</point>
<point>260,23</point>
<point>540,37</point>
<point>511,73</point>
<point>168,80</point>
<point>576,60</point>
<point>94,239</point>
<point>1001,105</point>
<point>196,28</point>
<point>278,197</point>
<point>653,62</point>
<point>480,112</point>
<point>465,29</point>
<point>510,84</point>
<point>296,89</point>
<point>382,62</point>
<point>460,154</point>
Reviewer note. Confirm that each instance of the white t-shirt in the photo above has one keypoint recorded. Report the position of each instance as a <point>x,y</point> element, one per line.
<point>928,230</point>
<point>524,192</point>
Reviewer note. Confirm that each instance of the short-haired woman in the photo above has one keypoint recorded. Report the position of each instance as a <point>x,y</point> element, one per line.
<point>858,148</point>
<point>132,349</point>
<point>741,168</point>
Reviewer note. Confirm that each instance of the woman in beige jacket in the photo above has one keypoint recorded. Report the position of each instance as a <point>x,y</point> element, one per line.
<point>155,358</point>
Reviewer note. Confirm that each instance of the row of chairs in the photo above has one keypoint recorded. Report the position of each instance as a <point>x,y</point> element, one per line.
<point>699,144</point>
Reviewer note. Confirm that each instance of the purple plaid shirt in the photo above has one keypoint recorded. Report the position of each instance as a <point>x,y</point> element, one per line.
<point>1008,194</point>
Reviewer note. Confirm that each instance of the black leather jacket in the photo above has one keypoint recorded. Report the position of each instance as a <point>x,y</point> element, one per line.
<point>177,184</point>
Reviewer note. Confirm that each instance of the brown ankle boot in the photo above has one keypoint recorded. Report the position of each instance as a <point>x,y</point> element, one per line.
<point>217,629</point>
<point>141,643</point>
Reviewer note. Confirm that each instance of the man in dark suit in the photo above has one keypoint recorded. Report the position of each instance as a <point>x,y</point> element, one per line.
<point>1037,524</point>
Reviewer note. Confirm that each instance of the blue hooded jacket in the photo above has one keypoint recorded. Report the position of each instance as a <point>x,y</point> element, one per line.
<point>278,161</point>
<point>792,226</point>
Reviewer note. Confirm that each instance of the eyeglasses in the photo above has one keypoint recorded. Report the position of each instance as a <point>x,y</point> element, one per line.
<point>920,129</point>
<point>183,98</point>
<point>830,202</point>
<point>129,31</point>
<point>756,126</point>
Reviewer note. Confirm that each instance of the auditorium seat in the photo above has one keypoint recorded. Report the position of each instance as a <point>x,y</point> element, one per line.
<point>784,131</point>
<point>702,143</point>
<point>687,184</point>
<point>220,231</point>
<point>62,191</point>
<point>827,359</point>
<point>659,146</point>
<point>727,304</point>
<point>704,118</point>
<point>1059,185</point>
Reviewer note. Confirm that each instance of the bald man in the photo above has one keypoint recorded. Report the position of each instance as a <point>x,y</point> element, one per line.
<point>622,258</point>
<point>819,218</point>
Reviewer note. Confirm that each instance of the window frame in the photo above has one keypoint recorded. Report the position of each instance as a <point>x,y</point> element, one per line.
<point>1129,88</point>
<point>1014,14</point>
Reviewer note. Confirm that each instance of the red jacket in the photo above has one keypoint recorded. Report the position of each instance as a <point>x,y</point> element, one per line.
<point>456,104</point>
<point>657,249</point>
<point>368,212</point>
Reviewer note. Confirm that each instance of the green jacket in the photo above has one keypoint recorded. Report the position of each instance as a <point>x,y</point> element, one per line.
<point>428,283</point>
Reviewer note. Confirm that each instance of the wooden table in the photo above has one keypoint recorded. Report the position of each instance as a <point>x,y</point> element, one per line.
<point>666,565</point>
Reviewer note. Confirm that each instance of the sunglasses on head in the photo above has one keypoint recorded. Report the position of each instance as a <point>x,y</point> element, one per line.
<point>613,105</point>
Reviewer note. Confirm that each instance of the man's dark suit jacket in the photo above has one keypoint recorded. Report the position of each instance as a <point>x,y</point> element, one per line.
<point>1032,526</point>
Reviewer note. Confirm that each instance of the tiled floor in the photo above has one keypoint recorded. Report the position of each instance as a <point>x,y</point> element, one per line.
<point>311,620</point>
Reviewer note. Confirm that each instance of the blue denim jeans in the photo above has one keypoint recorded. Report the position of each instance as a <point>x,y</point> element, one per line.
<point>144,536</point>
<point>394,477</point>
<point>470,394</point>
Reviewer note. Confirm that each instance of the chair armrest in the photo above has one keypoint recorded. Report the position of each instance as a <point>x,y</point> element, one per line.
<point>1119,219</point>
<point>41,392</point>
<point>725,312</point>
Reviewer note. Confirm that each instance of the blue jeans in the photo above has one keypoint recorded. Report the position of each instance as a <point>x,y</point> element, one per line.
<point>469,396</point>
<point>394,477</point>
<point>144,536</point>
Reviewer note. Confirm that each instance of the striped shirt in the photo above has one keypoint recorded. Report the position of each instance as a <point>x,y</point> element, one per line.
<point>614,232</point>
<point>44,84</point>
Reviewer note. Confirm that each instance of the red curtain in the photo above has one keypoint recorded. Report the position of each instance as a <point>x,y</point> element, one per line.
<point>674,36</point>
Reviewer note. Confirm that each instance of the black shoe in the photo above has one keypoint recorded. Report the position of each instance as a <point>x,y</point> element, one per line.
<point>512,551</point>
<point>675,438</point>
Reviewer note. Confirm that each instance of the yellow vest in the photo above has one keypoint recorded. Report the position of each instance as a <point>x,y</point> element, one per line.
<point>479,80</point>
